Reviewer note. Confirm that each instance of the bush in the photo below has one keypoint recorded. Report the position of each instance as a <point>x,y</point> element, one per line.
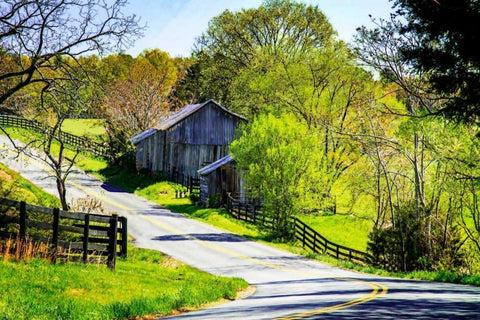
<point>416,241</point>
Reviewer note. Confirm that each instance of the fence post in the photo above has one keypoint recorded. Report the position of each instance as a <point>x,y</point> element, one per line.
<point>112,244</point>
<point>123,252</point>
<point>56,222</point>
<point>246,212</point>
<point>337,251</point>
<point>304,235</point>
<point>23,222</point>
<point>315,242</point>
<point>86,232</point>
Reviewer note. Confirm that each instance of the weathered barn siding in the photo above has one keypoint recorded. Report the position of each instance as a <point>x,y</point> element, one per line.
<point>187,141</point>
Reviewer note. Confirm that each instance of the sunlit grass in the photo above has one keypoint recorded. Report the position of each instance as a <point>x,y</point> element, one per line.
<point>90,128</point>
<point>145,283</point>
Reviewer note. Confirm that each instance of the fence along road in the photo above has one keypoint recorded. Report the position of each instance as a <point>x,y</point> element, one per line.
<point>287,286</point>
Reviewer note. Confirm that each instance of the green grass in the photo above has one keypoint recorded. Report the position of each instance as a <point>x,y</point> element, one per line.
<point>146,283</point>
<point>90,128</point>
<point>336,227</point>
<point>15,187</point>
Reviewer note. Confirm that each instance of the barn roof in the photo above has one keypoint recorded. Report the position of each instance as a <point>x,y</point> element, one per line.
<point>189,110</point>
<point>145,134</point>
<point>214,165</point>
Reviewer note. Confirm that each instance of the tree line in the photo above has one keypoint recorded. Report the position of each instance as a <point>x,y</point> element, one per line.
<point>392,117</point>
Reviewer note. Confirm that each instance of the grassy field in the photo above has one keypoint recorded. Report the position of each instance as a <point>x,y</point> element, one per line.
<point>90,128</point>
<point>146,283</point>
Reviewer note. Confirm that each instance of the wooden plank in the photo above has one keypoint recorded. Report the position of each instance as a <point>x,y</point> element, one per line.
<point>86,232</point>
<point>98,240</point>
<point>33,208</point>
<point>10,203</point>
<point>112,246</point>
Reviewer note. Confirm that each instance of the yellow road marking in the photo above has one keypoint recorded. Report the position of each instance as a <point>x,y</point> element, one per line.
<point>374,294</point>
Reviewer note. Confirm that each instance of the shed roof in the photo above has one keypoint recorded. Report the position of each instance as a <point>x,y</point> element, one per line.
<point>215,165</point>
<point>189,110</point>
<point>145,134</point>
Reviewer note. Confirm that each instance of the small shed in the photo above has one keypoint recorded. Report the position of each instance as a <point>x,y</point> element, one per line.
<point>218,179</point>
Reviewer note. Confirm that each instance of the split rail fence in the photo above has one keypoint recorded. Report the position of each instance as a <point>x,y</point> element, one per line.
<point>96,237</point>
<point>80,143</point>
<point>250,211</point>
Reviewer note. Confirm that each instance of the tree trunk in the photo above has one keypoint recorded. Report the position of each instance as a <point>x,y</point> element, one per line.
<point>62,193</point>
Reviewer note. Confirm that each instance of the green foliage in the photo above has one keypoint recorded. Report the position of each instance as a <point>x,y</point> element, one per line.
<point>415,242</point>
<point>233,40</point>
<point>446,50</point>
<point>278,158</point>
<point>76,291</point>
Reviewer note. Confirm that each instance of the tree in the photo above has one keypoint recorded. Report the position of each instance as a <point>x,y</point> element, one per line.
<point>234,39</point>
<point>141,99</point>
<point>42,41</point>
<point>278,158</point>
<point>38,34</point>
<point>446,49</point>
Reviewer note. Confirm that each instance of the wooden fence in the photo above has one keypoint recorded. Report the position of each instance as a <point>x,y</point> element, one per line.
<point>80,143</point>
<point>191,183</point>
<point>93,235</point>
<point>250,211</point>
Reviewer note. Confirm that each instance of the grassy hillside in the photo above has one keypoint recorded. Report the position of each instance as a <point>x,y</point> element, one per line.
<point>14,186</point>
<point>146,283</point>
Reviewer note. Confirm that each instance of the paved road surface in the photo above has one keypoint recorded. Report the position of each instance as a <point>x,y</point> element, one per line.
<point>287,286</point>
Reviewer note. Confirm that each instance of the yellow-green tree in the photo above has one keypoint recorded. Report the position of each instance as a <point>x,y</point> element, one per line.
<point>278,158</point>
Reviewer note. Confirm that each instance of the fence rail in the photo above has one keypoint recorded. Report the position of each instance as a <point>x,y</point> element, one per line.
<point>80,143</point>
<point>311,239</point>
<point>94,234</point>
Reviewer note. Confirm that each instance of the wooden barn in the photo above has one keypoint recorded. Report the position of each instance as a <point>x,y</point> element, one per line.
<point>188,140</point>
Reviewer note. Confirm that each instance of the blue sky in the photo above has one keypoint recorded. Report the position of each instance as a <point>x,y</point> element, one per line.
<point>173,25</point>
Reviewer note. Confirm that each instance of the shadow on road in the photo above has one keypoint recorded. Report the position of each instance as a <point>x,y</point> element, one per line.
<point>217,237</point>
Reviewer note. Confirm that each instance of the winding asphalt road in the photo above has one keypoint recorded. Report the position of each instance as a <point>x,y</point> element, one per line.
<point>287,286</point>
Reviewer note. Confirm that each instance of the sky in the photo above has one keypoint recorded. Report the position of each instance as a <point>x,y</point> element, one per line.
<point>173,25</point>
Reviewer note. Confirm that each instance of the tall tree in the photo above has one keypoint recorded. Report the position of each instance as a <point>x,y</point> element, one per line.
<point>140,99</point>
<point>279,156</point>
<point>234,39</point>
<point>44,31</point>
<point>447,49</point>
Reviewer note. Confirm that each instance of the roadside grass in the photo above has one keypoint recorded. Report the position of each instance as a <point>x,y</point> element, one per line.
<point>15,187</point>
<point>146,283</point>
